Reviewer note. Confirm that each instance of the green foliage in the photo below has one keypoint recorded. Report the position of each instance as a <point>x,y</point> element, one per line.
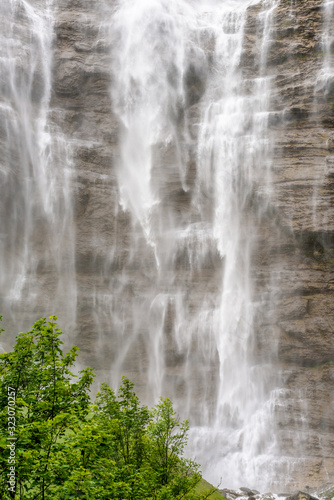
<point>168,437</point>
<point>48,403</point>
<point>127,421</point>
<point>66,448</point>
<point>206,490</point>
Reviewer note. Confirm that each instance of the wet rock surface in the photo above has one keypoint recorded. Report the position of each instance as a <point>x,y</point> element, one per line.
<point>293,265</point>
<point>320,493</point>
<point>301,252</point>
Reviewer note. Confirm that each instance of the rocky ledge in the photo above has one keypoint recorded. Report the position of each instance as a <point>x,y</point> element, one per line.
<point>324,492</point>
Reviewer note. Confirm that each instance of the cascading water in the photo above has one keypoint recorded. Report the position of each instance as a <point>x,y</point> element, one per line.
<point>158,45</point>
<point>37,232</point>
<point>172,196</point>
<point>234,152</point>
<point>327,71</point>
<point>323,92</point>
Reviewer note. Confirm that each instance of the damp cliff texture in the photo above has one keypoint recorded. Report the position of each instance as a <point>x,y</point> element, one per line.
<point>293,261</point>
<point>298,239</point>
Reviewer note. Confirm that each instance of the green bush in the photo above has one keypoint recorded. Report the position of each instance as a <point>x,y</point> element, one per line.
<point>56,445</point>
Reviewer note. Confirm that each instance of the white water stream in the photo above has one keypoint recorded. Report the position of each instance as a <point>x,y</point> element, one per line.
<point>37,234</point>
<point>157,42</point>
<point>178,314</point>
<point>326,76</point>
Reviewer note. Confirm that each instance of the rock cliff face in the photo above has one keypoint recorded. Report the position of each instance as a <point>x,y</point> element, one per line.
<point>300,232</point>
<point>292,264</point>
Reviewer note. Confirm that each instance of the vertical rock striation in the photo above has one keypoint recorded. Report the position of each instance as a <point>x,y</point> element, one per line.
<point>109,261</point>
<point>299,230</point>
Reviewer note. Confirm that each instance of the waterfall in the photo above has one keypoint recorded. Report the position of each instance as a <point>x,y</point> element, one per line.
<point>234,152</point>
<point>141,203</point>
<point>37,236</point>
<point>327,72</point>
<point>323,92</point>
<point>198,309</point>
